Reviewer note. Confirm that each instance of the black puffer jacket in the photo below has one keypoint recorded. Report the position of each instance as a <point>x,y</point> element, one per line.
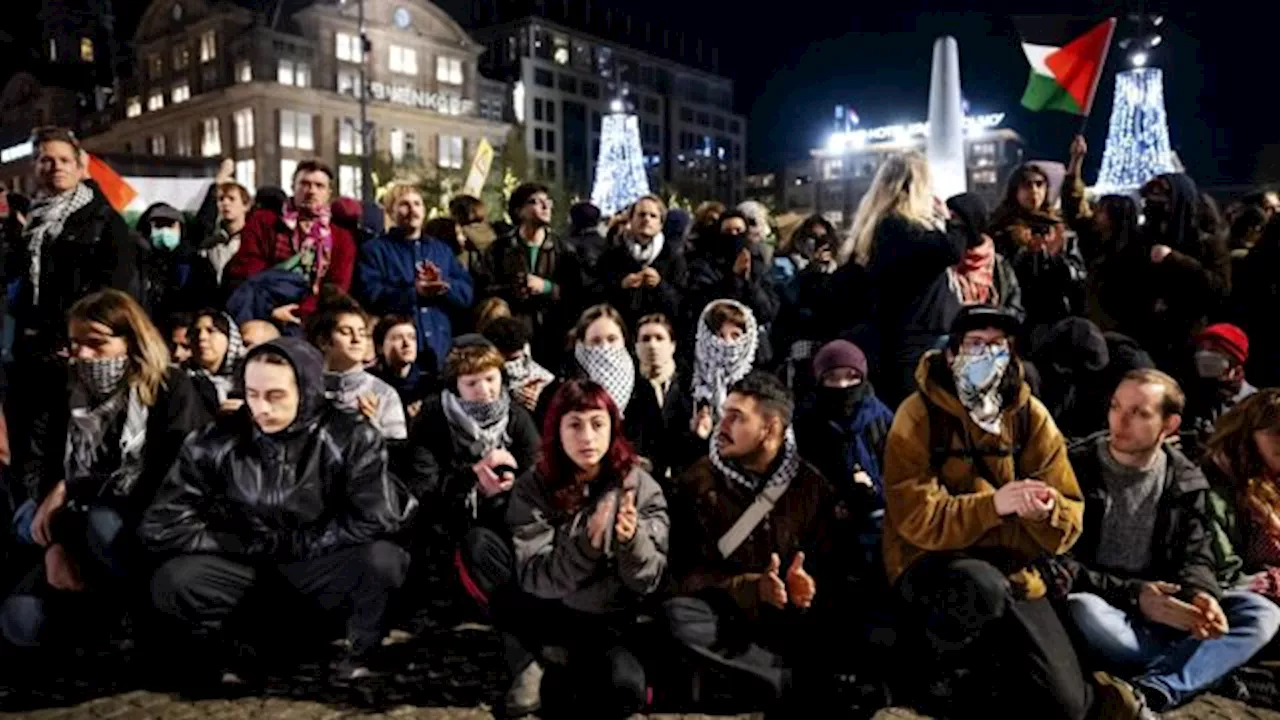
<point>319,485</point>
<point>617,262</point>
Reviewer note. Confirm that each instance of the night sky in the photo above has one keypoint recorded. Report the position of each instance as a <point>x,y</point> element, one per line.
<point>793,66</point>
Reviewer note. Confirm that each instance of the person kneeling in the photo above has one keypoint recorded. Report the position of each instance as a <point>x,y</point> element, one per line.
<point>589,529</point>
<point>1146,596</point>
<point>289,489</point>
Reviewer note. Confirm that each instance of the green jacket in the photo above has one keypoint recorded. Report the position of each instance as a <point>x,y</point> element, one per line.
<point>1226,531</point>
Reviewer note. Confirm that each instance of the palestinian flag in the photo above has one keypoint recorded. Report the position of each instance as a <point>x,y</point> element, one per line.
<point>114,188</point>
<point>1066,55</point>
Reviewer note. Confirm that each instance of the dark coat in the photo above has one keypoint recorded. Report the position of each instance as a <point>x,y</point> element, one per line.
<point>442,478</point>
<point>1181,547</point>
<point>939,306</point>
<point>839,448</point>
<point>176,413</point>
<point>319,485</point>
<point>642,419</point>
<point>616,263</point>
<point>711,278</point>
<point>178,280</point>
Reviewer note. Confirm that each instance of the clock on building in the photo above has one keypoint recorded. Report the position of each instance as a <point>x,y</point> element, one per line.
<point>177,12</point>
<point>401,17</point>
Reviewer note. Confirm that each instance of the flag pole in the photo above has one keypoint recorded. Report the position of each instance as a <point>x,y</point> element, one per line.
<point>1088,106</point>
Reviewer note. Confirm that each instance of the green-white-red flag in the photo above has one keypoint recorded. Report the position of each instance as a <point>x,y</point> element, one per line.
<point>1066,55</point>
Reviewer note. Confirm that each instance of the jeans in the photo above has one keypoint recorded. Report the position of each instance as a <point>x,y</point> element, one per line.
<point>1170,662</point>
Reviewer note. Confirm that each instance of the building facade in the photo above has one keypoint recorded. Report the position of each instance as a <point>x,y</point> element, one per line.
<point>565,80</point>
<point>833,179</point>
<point>271,88</point>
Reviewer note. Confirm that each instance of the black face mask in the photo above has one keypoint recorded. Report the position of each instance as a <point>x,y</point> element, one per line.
<point>841,403</point>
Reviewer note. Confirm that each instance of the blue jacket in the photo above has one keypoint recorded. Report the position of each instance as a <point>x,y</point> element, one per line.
<point>385,276</point>
<point>839,449</point>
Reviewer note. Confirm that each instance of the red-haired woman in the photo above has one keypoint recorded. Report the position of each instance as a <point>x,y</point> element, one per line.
<point>589,528</point>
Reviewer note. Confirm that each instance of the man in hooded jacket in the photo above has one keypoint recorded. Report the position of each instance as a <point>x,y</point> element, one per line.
<point>176,278</point>
<point>288,489</point>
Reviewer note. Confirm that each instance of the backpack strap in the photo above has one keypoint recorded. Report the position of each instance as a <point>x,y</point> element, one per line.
<point>943,426</point>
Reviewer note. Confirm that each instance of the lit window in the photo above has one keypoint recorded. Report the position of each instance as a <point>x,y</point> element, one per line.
<point>287,169</point>
<point>349,140</point>
<point>244,71</point>
<point>302,75</point>
<point>211,141</point>
<point>450,152</point>
<point>244,128</point>
<point>350,182</point>
<point>156,101</point>
<point>182,148</point>
<point>181,93</point>
<point>348,48</point>
<point>134,107</point>
<point>208,45</point>
<point>181,57</point>
<point>404,60</point>
<point>295,130</point>
<point>284,72</point>
<point>448,70</point>
<point>247,174</point>
<point>86,50</point>
<point>156,144</point>
<point>292,72</point>
<point>396,144</point>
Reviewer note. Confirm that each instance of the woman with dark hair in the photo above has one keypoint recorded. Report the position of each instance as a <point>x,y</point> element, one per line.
<point>95,460</point>
<point>590,542</point>
<point>217,351</point>
<point>602,353</point>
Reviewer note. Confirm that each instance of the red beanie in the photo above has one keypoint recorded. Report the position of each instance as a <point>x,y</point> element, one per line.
<point>1228,339</point>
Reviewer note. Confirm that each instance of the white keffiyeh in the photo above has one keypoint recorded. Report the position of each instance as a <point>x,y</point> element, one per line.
<point>646,254</point>
<point>720,363</point>
<point>524,371</point>
<point>99,394</point>
<point>785,473</point>
<point>48,217</point>
<point>612,367</point>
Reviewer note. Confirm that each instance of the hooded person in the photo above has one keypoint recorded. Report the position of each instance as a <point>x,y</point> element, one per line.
<point>724,353</point>
<point>1071,361</point>
<point>215,361</point>
<point>584,233</point>
<point>176,277</point>
<point>290,491</point>
<point>729,266</point>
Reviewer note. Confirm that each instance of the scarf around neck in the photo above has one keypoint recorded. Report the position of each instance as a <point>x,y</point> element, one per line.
<point>973,278</point>
<point>525,371</point>
<point>476,428</point>
<point>48,217</point>
<point>312,248</point>
<point>719,363</point>
<point>785,473</point>
<point>91,420</point>
<point>978,384</point>
<point>224,378</point>
<point>612,367</point>
<point>646,254</point>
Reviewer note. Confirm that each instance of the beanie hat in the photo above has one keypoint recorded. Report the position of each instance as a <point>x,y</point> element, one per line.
<point>584,215</point>
<point>1227,338</point>
<point>839,354</point>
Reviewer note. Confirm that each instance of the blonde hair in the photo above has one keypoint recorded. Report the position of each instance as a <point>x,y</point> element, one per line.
<point>491,309</point>
<point>398,192</point>
<point>901,187</point>
<point>662,206</point>
<point>148,354</point>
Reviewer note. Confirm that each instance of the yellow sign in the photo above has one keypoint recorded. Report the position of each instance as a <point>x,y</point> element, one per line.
<point>479,169</point>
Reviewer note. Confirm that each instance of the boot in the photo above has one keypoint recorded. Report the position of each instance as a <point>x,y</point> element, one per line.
<point>525,695</point>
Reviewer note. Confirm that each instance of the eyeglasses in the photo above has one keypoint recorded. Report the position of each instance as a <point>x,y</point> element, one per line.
<point>977,346</point>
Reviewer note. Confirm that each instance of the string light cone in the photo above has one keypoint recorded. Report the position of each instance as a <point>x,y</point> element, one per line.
<point>620,175</point>
<point>1138,147</point>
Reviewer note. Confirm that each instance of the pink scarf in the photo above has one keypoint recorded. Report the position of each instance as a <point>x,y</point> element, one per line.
<point>973,278</point>
<point>314,247</point>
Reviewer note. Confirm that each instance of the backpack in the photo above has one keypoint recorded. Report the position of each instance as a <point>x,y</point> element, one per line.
<point>943,426</point>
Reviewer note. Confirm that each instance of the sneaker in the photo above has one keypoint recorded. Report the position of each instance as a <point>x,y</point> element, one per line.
<point>525,695</point>
<point>1118,700</point>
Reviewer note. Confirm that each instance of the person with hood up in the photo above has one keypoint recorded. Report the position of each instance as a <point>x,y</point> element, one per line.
<point>340,329</point>
<point>728,266</point>
<point>218,350</point>
<point>1144,592</point>
<point>305,242</point>
<point>725,346</point>
<point>842,428</point>
<point>407,272</point>
<point>222,218</point>
<point>978,488</point>
<point>1032,235</point>
<point>584,234</point>
<point>95,460</point>
<point>74,244</point>
<point>1072,361</point>
<point>602,353</point>
<point>1189,273</point>
<point>176,277</point>
<point>291,489</point>
<point>643,274</point>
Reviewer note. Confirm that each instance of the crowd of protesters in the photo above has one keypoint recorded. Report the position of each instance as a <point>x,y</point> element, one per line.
<point>650,449</point>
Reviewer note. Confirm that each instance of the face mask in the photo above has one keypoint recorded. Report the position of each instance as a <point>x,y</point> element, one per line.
<point>165,238</point>
<point>841,403</point>
<point>978,378</point>
<point>1211,365</point>
<point>102,376</point>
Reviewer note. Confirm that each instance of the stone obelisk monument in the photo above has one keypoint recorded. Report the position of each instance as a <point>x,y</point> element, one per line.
<point>946,121</point>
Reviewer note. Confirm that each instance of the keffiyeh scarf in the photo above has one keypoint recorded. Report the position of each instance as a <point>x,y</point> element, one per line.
<point>476,427</point>
<point>48,217</point>
<point>785,473</point>
<point>646,254</point>
<point>978,379</point>
<point>224,378</point>
<point>719,363</point>
<point>525,371</point>
<point>612,367</point>
<point>313,249</point>
<point>99,394</point>
<point>973,278</point>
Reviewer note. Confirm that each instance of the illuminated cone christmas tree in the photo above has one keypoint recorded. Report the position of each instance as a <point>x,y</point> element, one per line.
<point>620,175</point>
<point>1138,141</point>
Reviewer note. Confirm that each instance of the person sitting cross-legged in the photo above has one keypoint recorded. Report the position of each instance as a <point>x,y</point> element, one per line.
<point>289,492</point>
<point>1146,597</point>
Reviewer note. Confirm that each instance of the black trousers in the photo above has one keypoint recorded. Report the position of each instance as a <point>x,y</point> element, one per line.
<point>960,613</point>
<point>203,590</point>
<point>604,651</point>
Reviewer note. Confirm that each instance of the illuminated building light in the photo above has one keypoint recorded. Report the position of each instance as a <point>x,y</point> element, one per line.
<point>1138,146</point>
<point>620,175</point>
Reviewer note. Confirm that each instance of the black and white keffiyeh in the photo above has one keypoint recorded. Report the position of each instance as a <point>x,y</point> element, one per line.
<point>719,363</point>
<point>612,367</point>
<point>477,427</point>
<point>93,412</point>
<point>48,217</point>
<point>524,371</point>
<point>224,378</point>
<point>785,473</point>
<point>646,254</point>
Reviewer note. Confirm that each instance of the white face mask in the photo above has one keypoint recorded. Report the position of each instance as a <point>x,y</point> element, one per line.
<point>1211,365</point>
